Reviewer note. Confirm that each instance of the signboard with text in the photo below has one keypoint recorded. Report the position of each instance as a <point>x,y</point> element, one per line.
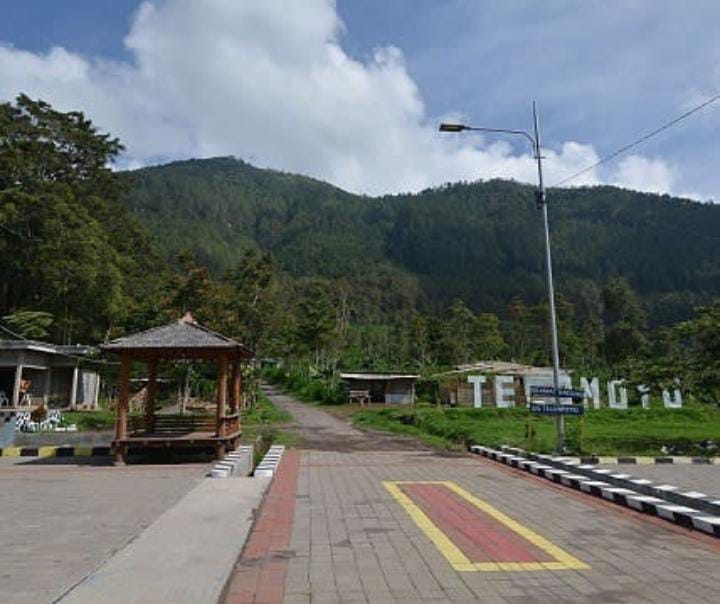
<point>552,409</point>
<point>577,395</point>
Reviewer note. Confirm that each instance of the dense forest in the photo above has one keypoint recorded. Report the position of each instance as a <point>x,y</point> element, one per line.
<point>479,242</point>
<point>303,271</point>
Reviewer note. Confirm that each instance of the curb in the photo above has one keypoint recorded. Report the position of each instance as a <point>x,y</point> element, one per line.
<point>664,491</point>
<point>57,451</point>
<point>551,469</point>
<point>648,460</point>
<point>269,464</point>
<point>236,463</point>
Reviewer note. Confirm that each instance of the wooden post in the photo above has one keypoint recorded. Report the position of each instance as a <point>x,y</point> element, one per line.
<point>150,395</point>
<point>235,391</point>
<point>122,407</point>
<point>222,394</point>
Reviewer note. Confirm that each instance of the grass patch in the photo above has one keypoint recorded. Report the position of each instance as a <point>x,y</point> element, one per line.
<point>264,412</point>
<point>89,421</point>
<point>600,432</point>
<point>262,420</point>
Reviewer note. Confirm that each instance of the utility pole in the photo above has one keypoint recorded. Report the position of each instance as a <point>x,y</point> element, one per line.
<point>541,203</point>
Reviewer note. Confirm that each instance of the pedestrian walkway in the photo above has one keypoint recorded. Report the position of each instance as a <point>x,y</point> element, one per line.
<point>463,530</point>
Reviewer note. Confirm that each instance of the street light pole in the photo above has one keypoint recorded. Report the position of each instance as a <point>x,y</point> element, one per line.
<point>550,287</point>
<point>541,203</point>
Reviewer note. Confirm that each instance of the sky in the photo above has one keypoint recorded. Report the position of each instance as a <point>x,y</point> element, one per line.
<point>352,91</point>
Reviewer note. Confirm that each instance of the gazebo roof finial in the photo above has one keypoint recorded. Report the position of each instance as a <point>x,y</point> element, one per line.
<point>188,319</point>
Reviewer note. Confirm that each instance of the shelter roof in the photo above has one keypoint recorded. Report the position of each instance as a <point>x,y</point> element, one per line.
<point>46,347</point>
<point>379,376</point>
<point>500,367</point>
<point>186,334</point>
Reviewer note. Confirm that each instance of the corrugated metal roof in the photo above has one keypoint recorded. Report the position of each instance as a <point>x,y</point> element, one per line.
<point>501,367</point>
<point>47,347</point>
<point>185,333</point>
<point>379,376</point>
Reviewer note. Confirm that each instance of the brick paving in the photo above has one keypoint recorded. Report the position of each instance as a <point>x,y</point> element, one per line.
<point>704,478</point>
<point>62,519</point>
<point>353,542</point>
<point>259,575</point>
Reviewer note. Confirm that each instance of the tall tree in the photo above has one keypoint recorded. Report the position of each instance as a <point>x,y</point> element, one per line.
<point>68,247</point>
<point>626,320</point>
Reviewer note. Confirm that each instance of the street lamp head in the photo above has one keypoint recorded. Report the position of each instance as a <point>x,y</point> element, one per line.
<point>453,127</point>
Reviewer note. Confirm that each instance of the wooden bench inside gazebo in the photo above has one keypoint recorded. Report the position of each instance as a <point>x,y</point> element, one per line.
<point>182,339</point>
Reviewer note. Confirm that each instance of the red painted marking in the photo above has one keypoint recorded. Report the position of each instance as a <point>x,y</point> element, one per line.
<point>259,576</point>
<point>478,535</point>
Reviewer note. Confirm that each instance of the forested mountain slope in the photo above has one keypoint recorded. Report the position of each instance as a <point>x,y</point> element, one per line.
<point>481,242</point>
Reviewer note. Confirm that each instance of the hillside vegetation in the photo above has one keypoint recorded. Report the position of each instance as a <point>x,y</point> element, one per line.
<point>480,242</point>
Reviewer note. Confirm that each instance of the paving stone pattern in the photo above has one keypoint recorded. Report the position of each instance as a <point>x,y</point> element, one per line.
<point>61,520</point>
<point>352,542</point>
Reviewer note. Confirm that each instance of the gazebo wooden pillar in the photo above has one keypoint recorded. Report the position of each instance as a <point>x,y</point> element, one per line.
<point>222,387</point>
<point>236,386</point>
<point>151,394</point>
<point>122,406</point>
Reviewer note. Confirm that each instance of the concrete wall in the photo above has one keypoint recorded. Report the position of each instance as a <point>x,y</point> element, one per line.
<point>399,392</point>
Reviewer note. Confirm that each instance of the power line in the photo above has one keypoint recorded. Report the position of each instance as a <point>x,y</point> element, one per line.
<point>639,141</point>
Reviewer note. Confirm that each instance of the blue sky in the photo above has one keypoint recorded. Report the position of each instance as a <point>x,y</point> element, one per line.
<point>351,92</point>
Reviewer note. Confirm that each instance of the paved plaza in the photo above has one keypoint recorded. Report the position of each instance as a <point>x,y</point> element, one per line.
<point>351,516</point>
<point>63,518</point>
<point>372,519</point>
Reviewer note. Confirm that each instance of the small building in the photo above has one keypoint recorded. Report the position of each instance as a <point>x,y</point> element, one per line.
<point>397,388</point>
<point>34,373</point>
<point>494,383</point>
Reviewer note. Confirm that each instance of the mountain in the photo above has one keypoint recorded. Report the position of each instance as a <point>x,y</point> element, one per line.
<point>478,241</point>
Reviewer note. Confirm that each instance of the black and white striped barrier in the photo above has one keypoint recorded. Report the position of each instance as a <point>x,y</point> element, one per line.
<point>549,468</point>
<point>269,464</point>
<point>667,492</point>
<point>235,463</point>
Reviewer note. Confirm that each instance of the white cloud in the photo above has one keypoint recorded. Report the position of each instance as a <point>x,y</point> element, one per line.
<point>645,174</point>
<point>270,82</point>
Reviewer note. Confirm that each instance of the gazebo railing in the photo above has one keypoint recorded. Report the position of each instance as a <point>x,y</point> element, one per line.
<point>173,424</point>
<point>231,424</point>
<point>184,424</point>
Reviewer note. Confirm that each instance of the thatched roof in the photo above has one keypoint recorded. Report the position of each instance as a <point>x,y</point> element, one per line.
<point>186,334</point>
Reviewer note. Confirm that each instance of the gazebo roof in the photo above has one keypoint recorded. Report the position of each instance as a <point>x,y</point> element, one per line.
<point>185,336</point>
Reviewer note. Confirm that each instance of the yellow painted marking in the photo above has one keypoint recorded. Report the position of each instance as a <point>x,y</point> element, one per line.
<point>646,461</point>
<point>47,451</point>
<point>448,549</point>
<point>607,460</point>
<point>83,451</point>
<point>456,558</point>
<point>11,451</point>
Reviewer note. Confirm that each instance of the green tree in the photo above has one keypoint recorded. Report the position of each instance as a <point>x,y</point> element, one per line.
<point>69,247</point>
<point>488,341</point>
<point>626,320</point>
<point>316,322</point>
<point>31,324</point>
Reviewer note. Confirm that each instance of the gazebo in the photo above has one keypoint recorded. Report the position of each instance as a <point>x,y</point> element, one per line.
<point>182,339</point>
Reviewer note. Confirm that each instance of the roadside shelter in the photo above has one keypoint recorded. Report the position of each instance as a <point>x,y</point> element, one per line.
<point>33,373</point>
<point>182,339</point>
<point>398,388</point>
